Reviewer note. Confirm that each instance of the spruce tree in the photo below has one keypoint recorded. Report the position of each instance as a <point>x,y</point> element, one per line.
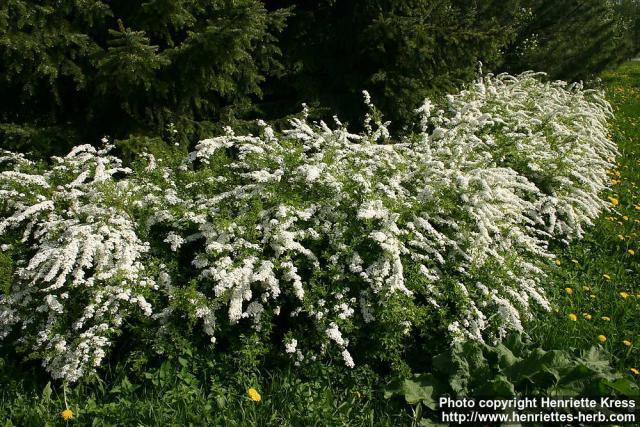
<point>629,15</point>
<point>570,39</point>
<point>401,51</point>
<point>74,70</point>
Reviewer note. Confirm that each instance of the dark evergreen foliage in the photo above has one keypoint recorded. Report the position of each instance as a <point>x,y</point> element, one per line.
<point>400,51</point>
<point>629,13</point>
<point>74,70</point>
<point>573,39</point>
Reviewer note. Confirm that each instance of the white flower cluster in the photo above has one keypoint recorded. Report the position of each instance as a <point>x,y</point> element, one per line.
<point>552,134</point>
<point>319,224</point>
<point>83,251</point>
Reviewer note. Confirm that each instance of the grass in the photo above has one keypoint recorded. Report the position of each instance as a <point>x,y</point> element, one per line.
<point>597,280</point>
<point>173,396</point>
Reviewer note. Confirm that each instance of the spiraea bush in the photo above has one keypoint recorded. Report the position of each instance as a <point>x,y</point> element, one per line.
<point>314,242</point>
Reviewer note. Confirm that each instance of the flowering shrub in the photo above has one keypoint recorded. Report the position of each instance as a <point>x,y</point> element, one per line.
<point>81,272</point>
<point>322,240</point>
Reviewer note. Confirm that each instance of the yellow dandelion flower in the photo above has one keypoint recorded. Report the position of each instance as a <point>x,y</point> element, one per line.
<point>558,262</point>
<point>573,317</point>
<point>602,338</point>
<point>635,371</point>
<point>631,252</point>
<point>626,218</point>
<point>624,295</point>
<point>587,316</point>
<point>614,201</point>
<point>254,395</point>
<point>606,318</point>
<point>67,414</point>
<point>569,291</point>
<point>627,343</point>
<point>620,236</point>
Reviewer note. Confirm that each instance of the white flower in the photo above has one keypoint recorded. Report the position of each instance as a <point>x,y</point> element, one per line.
<point>372,210</point>
<point>290,346</point>
<point>348,361</point>
<point>334,334</point>
<point>174,240</point>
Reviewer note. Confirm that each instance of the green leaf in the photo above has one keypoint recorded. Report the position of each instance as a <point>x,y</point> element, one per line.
<point>514,344</point>
<point>451,362</point>
<point>500,386</point>
<point>505,357</point>
<point>541,367</point>
<point>458,383</point>
<point>596,360</point>
<point>183,362</point>
<point>221,401</point>
<point>472,353</point>
<point>418,414</point>
<point>624,386</point>
<point>46,393</point>
<point>422,388</point>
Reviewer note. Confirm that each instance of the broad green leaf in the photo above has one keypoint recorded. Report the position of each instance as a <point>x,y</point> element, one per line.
<point>473,355</point>
<point>499,387</point>
<point>458,383</point>
<point>46,393</point>
<point>596,360</point>
<point>624,386</point>
<point>506,358</point>
<point>422,388</point>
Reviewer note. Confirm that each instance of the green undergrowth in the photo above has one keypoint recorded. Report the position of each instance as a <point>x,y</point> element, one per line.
<point>186,392</point>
